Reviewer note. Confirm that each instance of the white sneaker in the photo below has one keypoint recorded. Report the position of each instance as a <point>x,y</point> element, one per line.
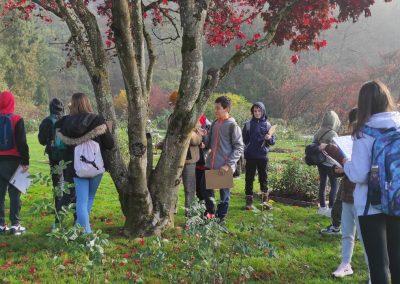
<point>324,211</point>
<point>343,270</point>
<point>17,229</point>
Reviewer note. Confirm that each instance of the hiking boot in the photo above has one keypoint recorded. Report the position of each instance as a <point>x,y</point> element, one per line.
<point>343,270</point>
<point>265,201</point>
<point>17,229</point>
<point>4,229</point>
<point>249,202</point>
<point>331,230</point>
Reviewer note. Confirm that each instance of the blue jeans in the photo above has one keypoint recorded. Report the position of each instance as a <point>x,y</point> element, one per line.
<point>222,208</point>
<point>85,189</point>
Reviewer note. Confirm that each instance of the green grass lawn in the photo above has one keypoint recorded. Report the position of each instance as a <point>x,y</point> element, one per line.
<point>303,255</point>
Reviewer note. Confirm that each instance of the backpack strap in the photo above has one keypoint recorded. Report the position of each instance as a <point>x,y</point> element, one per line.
<point>210,136</point>
<point>323,135</point>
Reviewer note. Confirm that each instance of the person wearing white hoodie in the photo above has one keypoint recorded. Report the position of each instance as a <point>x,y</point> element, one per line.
<point>380,232</point>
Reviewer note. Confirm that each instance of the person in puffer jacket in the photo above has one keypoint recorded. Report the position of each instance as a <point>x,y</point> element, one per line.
<point>257,141</point>
<point>12,155</point>
<point>81,126</point>
<point>325,134</point>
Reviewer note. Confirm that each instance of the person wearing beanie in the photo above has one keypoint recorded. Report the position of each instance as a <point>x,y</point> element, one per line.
<point>257,140</point>
<point>55,151</point>
<point>14,152</point>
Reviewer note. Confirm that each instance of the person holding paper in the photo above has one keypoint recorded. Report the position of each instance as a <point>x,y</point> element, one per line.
<point>325,134</point>
<point>14,151</point>
<point>257,139</point>
<point>380,232</point>
<point>225,142</point>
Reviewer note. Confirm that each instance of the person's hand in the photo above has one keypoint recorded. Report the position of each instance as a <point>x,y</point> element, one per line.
<point>339,170</point>
<point>25,168</point>
<point>267,136</point>
<point>322,146</point>
<point>201,131</point>
<point>223,170</point>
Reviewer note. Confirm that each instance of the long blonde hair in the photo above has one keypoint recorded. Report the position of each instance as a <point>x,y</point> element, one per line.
<point>80,103</point>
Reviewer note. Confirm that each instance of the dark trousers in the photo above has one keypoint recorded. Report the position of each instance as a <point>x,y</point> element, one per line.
<point>200,184</point>
<point>67,198</point>
<point>7,169</point>
<point>261,165</point>
<point>381,236</point>
<point>336,213</point>
<point>324,173</point>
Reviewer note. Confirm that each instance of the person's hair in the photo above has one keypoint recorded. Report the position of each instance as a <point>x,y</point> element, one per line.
<point>224,101</point>
<point>80,103</point>
<point>352,116</point>
<point>374,97</point>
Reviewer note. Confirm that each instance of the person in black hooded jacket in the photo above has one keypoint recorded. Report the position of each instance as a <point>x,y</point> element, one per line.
<point>81,126</point>
<point>257,140</point>
<point>46,138</point>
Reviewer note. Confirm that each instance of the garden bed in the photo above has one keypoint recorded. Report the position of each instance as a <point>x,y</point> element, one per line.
<point>293,201</point>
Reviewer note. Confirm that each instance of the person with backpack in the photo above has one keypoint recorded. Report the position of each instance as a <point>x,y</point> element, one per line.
<point>225,142</point>
<point>325,134</point>
<point>374,167</point>
<point>55,149</point>
<point>87,137</point>
<point>14,152</point>
<point>257,141</point>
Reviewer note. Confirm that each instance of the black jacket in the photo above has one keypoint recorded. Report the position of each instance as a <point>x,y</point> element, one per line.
<point>76,129</point>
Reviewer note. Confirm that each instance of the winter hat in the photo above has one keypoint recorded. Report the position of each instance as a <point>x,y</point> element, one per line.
<point>56,107</point>
<point>7,102</point>
<point>173,97</point>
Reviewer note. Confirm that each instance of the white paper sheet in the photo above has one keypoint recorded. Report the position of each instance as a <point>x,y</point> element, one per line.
<point>345,144</point>
<point>20,180</point>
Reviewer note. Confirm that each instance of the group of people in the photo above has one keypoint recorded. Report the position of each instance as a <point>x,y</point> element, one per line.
<point>351,208</point>
<point>61,135</point>
<point>219,145</point>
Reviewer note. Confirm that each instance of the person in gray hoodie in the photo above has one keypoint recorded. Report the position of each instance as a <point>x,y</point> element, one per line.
<point>325,134</point>
<point>226,144</point>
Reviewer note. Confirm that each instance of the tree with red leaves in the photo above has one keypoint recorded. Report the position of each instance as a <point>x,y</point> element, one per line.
<point>148,196</point>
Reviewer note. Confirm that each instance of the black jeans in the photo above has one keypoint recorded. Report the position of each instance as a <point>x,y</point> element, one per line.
<point>67,198</point>
<point>7,169</point>
<point>381,236</point>
<point>200,184</point>
<point>324,173</point>
<point>336,214</point>
<point>261,165</point>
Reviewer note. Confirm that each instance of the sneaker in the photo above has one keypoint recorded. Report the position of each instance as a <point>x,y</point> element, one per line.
<point>343,270</point>
<point>325,211</point>
<point>331,230</point>
<point>17,229</point>
<point>4,229</point>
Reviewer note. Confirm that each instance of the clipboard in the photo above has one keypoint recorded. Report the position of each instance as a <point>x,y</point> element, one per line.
<point>271,132</point>
<point>345,145</point>
<point>216,181</point>
<point>20,180</point>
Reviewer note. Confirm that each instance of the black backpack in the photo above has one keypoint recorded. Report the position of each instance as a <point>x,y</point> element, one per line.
<point>313,154</point>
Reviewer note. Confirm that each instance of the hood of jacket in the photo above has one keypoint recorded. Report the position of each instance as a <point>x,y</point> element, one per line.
<point>56,107</point>
<point>80,128</point>
<point>384,120</point>
<point>7,102</point>
<point>331,121</point>
<point>262,107</point>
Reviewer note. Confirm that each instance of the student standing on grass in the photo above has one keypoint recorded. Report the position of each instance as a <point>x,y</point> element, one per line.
<point>380,232</point>
<point>343,211</point>
<point>55,150</point>
<point>201,163</point>
<point>14,151</point>
<point>225,142</point>
<point>83,127</point>
<point>257,141</point>
<point>325,134</point>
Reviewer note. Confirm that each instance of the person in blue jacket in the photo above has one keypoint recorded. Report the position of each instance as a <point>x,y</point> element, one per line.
<point>257,140</point>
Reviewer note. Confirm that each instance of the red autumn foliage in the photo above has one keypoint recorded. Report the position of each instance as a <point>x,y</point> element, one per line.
<point>158,100</point>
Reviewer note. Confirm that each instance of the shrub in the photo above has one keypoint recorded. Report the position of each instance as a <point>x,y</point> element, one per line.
<point>294,179</point>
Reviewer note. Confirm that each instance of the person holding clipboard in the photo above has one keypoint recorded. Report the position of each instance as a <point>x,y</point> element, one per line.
<point>225,142</point>
<point>257,136</point>
<point>14,153</point>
